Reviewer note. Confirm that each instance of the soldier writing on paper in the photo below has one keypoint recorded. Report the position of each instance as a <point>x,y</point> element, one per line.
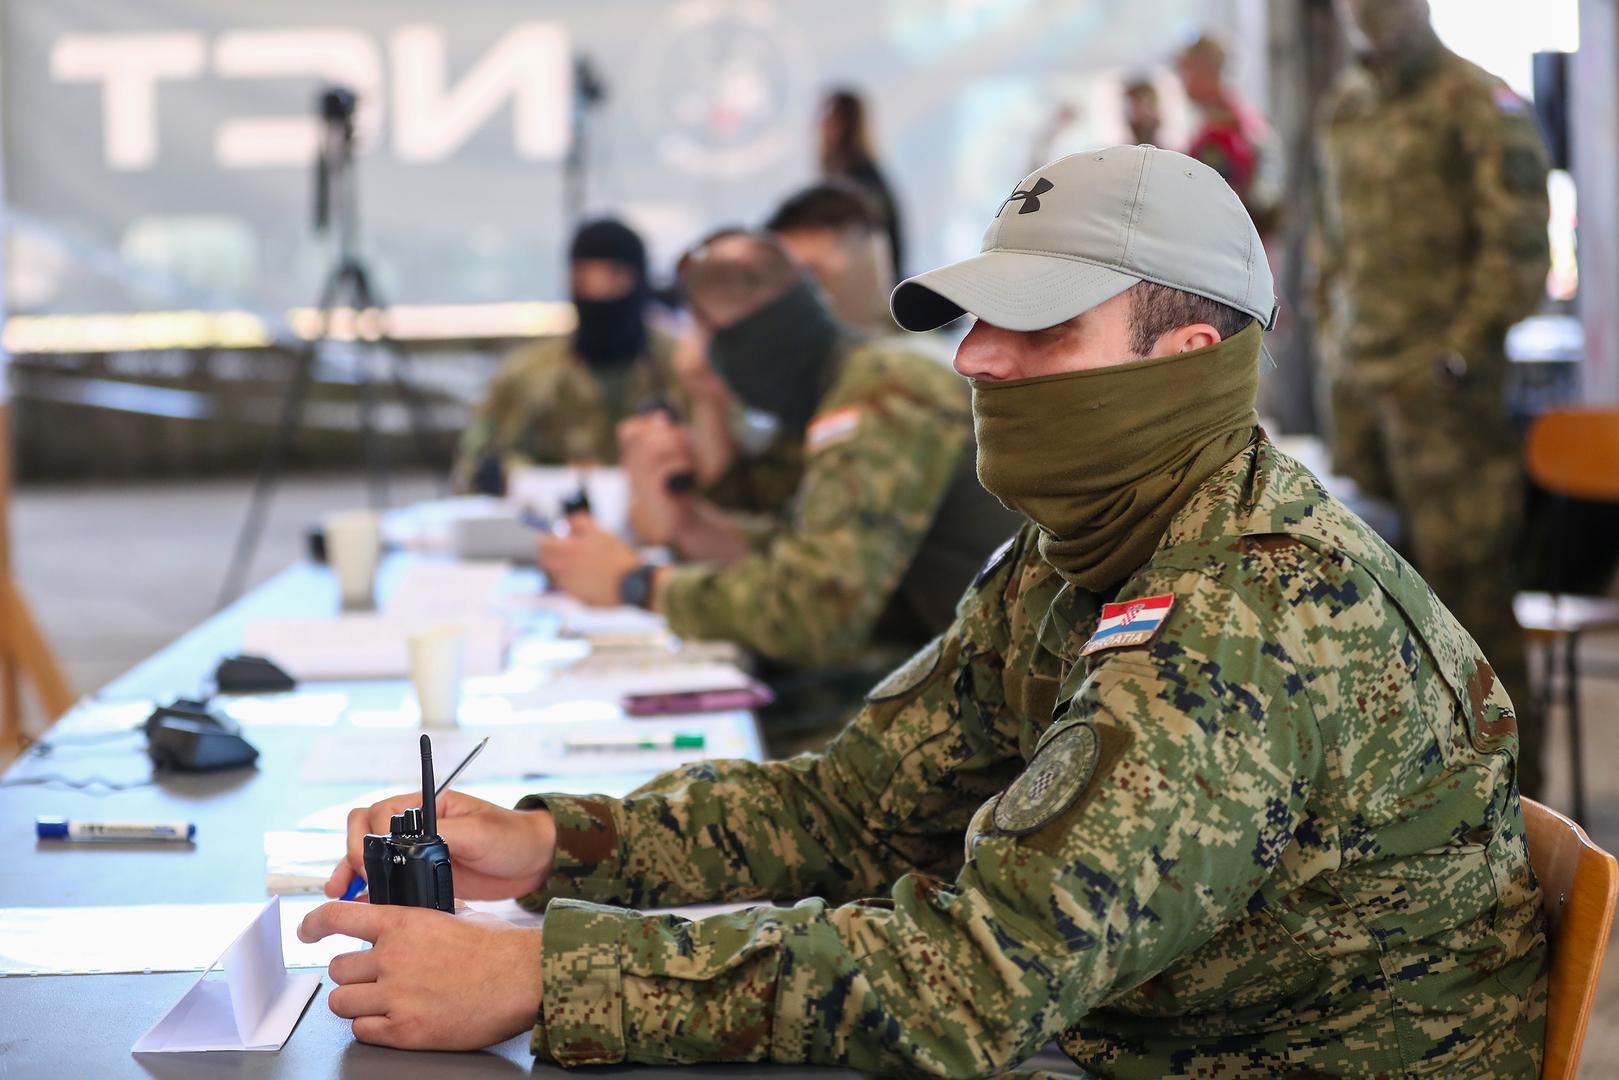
<point>1202,780</point>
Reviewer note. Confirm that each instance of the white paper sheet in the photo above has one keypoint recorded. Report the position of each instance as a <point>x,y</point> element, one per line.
<point>612,684</point>
<point>185,937</point>
<point>527,750</point>
<point>575,619</point>
<point>145,937</point>
<point>367,646</point>
<point>447,590</point>
<point>254,1007</point>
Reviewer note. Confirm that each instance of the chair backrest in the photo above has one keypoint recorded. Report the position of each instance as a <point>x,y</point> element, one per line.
<point>1575,452</point>
<point>1578,883</point>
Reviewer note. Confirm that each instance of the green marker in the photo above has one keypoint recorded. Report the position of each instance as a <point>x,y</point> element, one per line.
<point>609,744</point>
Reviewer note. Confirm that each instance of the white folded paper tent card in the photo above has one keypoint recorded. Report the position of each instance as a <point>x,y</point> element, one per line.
<point>253,1006</point>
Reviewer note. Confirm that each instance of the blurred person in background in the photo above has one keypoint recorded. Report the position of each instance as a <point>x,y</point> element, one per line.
<point>558,400</point>
<point>846,152</point>
<point>1061,126</point>
<point>1141,111</point>
<point>1431,243</point>
<point>835,231</point>
<point>867,559</point>
<point>1232,137</point>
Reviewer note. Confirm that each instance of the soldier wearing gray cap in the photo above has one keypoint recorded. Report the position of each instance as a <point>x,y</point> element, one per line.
<point>1202,781</point>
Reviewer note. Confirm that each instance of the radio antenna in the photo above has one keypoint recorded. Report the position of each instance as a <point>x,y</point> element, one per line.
<point>429,798</point>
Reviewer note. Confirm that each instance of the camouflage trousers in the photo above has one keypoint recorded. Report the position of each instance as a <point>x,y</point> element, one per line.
<point>1442,451</point>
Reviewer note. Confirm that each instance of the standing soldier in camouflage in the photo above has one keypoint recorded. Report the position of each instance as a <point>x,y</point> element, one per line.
<point>888,523</point>
<point>1202,780</point>
<point>1432,243</point>
<point>558,400</point>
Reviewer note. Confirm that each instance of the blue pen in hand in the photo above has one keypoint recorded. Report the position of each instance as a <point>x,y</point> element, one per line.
<point>356,887</point>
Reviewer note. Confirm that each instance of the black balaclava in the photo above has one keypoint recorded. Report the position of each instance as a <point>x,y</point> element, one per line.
<point>611,333</point>
<point>778,359</point>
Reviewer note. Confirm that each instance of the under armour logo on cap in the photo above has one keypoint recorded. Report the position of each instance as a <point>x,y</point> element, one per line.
<point>1031,198</point>
<point>1111,218</point>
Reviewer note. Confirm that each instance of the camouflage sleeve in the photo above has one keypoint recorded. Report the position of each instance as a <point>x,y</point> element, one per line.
<point>813,594</point>
<point>1152,813</point>
<point>762,483</point>
<point>477,441</point>
<point>1506,278</point>
<point>483,432</point>
<point>890,794</point>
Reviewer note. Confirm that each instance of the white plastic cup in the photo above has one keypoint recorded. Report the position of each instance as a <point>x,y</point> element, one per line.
<point>435,671</point>
<point>353,548</point>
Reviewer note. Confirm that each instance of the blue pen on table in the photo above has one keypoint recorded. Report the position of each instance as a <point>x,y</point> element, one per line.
<point>56,828</point>
<point>357,885</point>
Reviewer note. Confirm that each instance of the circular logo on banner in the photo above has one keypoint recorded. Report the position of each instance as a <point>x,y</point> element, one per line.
<point>726,89</point>
<point>1058,775</point>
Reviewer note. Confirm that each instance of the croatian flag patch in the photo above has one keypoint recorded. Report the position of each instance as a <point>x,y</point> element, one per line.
<point>1133,622</point>
<point>834,427</point>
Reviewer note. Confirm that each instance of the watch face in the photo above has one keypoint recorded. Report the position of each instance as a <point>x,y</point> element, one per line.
<point>636,588</point>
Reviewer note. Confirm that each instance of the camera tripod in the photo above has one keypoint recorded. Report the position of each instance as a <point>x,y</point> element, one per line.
<point>347,284</point>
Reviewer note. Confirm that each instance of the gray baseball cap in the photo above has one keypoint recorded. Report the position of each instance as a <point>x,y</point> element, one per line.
<point>1087,227</point>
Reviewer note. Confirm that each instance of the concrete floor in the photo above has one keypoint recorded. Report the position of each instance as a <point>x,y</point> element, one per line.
<point>116,572</point>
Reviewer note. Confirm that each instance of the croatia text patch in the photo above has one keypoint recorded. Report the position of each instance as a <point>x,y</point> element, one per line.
<point>1132,622</point>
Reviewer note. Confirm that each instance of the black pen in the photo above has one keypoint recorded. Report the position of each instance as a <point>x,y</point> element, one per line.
<point>464,763</point>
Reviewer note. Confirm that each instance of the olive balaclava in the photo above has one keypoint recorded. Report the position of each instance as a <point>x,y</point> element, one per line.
<point>1101,459</point>
<point>611,333</point>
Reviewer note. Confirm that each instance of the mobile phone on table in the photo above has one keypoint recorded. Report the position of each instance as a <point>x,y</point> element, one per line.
<point>752,696</point>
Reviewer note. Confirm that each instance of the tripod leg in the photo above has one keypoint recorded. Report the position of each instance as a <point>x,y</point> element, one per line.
<point>416,410</point>
<point>415,404</point>
<point>376,452</point>
<point>270,463</point>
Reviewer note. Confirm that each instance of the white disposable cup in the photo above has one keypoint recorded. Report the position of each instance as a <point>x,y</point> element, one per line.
<point>435,671</point>
<point>353,547</point>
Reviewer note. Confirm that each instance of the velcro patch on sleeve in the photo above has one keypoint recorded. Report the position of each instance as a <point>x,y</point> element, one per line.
<point>1058,775</point>
<point>835,427</point>
<point>1132,622</point>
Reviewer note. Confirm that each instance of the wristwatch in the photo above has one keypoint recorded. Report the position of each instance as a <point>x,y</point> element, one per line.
<point>635,588</point>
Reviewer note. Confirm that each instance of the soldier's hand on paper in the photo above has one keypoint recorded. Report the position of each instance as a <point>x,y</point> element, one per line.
<point>495,853</point>
<point>431,980</point>
<point>588,564</point>
<point>653,448</point>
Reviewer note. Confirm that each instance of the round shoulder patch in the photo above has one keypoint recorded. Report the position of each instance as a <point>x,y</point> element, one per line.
<point>1058,775</point>
<point>911,674</point>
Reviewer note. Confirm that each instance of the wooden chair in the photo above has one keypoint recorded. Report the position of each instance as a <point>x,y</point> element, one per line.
<point>24,654</point>
<point>1572,454</point>
<point>1578,883</point>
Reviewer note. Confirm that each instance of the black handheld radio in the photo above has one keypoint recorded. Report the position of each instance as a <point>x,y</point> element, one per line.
<point>411,865</point>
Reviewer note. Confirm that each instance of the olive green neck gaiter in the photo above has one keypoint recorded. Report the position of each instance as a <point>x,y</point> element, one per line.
<point>1102,459</point>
